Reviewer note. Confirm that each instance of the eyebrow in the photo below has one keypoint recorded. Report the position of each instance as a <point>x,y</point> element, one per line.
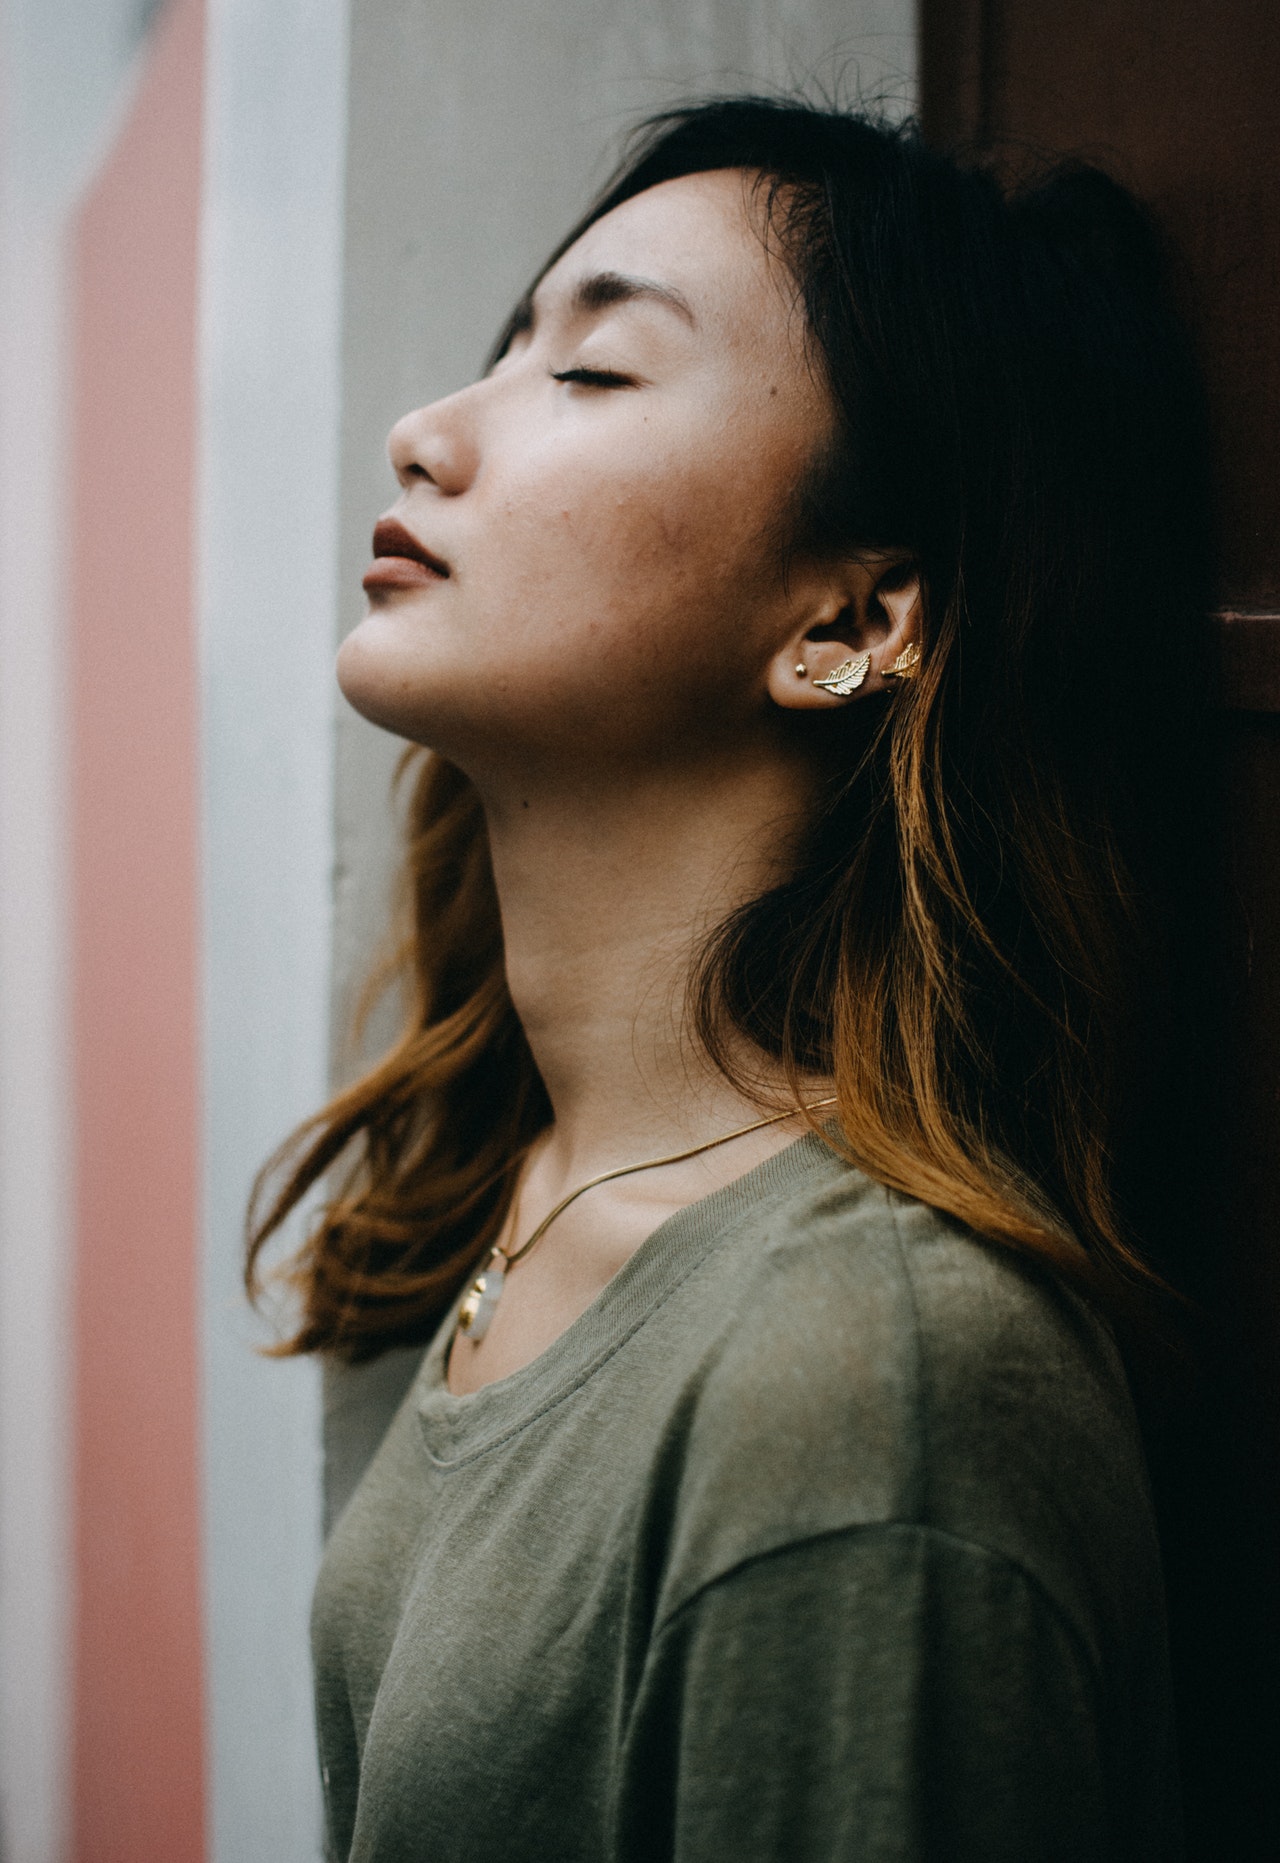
<point>600,291</point>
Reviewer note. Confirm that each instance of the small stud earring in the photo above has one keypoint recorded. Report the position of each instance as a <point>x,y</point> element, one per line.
<point>847,677</point>
<point>907,664</point>
<point>801,669</point>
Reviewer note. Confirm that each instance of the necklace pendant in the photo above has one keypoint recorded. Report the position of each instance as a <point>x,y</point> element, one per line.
<point>481,1300</point>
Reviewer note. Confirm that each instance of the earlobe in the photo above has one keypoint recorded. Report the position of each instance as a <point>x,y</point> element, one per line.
<point>863,638</point>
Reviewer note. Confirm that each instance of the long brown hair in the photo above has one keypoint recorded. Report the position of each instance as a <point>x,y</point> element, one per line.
<point>975,943</point>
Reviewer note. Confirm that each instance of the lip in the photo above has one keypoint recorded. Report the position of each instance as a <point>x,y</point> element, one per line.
<point>400,561</point>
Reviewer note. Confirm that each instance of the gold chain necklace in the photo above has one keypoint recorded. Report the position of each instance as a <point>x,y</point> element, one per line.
<point>484,1293</point>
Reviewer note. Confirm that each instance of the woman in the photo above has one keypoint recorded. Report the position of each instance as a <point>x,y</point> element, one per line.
<point>800,612</point>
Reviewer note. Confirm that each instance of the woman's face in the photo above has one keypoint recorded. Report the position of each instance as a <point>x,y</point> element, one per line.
<point>609,506</point>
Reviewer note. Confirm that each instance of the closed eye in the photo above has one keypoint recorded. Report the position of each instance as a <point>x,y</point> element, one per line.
<point>594,378</point>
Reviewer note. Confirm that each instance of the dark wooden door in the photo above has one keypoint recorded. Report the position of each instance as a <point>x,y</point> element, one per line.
<point>1178,100</point>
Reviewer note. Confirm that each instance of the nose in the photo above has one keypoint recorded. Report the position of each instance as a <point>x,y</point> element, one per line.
<point>436,443</point>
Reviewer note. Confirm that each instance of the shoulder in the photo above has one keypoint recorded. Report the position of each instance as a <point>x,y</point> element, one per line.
<point>877,1363</point>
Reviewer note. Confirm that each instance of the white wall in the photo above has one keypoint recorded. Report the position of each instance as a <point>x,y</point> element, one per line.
<point>269,412</point>
<point>35,1138</point>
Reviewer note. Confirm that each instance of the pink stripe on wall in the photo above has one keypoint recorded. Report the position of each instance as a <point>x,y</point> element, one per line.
<point>138,1717</point>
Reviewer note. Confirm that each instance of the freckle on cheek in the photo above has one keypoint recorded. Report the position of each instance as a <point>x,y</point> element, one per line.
<point>671,534</point>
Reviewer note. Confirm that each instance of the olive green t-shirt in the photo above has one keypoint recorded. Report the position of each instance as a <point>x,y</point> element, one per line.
<point>823,1534</point>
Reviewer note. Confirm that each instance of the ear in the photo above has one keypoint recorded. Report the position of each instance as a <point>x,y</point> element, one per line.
<point>870,606</point>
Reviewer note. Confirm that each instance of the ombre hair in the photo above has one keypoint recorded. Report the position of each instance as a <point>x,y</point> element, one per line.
<point>976,940</point>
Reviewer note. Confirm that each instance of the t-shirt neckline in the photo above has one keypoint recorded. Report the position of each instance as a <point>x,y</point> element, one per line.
<point>457,1427</point>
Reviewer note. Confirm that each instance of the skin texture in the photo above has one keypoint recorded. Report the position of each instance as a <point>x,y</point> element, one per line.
<point>612,660</point>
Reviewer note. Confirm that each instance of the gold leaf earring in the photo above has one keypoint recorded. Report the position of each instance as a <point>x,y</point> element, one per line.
<point>847,677</point>
<point>907,664</point>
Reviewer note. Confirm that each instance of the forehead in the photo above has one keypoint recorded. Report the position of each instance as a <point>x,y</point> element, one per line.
<point>705,235</point>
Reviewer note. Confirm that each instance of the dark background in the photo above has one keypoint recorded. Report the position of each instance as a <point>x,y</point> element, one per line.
<point>1178,100</point>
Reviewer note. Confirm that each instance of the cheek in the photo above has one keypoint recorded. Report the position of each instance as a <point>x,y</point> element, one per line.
<point>630,556</point>
<point>631,588</point>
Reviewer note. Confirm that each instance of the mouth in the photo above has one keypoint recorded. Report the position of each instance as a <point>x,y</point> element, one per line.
<point>400,561</point>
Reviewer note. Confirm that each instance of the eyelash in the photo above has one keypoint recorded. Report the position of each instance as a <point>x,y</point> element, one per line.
<point>593,378</point>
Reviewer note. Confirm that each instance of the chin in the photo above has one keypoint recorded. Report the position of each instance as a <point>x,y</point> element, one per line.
<point>397,687</point>
<point>375,681</point>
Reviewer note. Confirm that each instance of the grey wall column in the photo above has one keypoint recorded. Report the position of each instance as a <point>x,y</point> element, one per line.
<point>478,131</point>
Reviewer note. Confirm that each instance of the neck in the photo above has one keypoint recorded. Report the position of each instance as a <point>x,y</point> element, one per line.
<point>607,898</point>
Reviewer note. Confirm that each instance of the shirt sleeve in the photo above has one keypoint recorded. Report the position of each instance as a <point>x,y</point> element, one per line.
<point>886,1694</point>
